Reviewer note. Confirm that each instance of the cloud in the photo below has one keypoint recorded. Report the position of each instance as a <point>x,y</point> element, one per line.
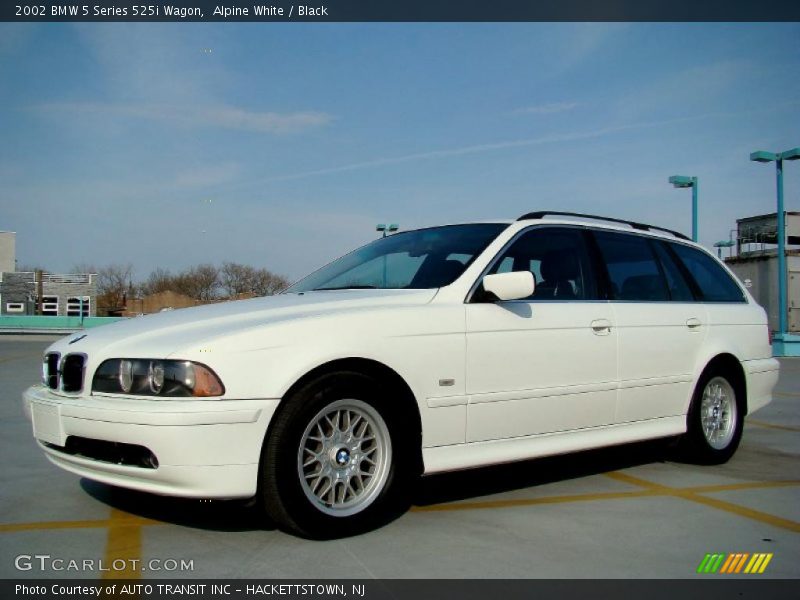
<point>692,89</point>
<point>579,42</point>
<point>478,148</point>
<point>506,145</point>
<point>546,109</point>
<point>209,175</point>
<point>219,116</point>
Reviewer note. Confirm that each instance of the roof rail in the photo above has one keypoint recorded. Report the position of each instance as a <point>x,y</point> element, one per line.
<point>634,224</point>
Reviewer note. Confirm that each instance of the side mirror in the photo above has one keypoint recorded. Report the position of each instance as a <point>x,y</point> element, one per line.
<point>510,286</point>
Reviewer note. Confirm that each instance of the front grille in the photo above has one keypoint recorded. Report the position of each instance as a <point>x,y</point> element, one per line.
<point>72,372</point>
<point>116,453</point>
<point>51,370</point>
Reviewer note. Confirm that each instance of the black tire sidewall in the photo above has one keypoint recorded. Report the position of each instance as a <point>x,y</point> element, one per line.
<point>697,447</point>
<point>289,504</point>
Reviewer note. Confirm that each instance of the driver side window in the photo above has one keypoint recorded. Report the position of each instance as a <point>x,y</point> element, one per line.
<point>558,259</point>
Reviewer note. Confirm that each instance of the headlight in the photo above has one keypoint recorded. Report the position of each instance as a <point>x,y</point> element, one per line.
<point>146,377</point>
<point>125,376</point>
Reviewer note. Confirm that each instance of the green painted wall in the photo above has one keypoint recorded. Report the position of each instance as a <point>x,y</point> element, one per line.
<point>42,323</point>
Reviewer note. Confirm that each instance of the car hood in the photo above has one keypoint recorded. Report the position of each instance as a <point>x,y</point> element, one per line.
<point>162,334</point>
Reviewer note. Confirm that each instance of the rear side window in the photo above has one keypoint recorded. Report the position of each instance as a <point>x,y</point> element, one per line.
<point>633,271</point>
<point>715,284</point>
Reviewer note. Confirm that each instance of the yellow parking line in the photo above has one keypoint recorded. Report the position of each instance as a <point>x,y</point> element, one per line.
<point>752,485</point>
<point>625,478</point>
<point>123,546</point>
<point>124,535</point>
<point>89,524</point>
<point>687,494</point>
<point>531,501</point>
<point>743,511</point>
<point>772,425</point>
<point>9,527</point>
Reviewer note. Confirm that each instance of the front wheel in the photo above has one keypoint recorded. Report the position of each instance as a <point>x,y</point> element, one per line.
<point>332,465</point>
<point>344,457</point>
<point>715,421</point>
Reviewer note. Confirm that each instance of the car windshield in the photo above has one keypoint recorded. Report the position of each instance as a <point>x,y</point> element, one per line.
<point>420,259</point>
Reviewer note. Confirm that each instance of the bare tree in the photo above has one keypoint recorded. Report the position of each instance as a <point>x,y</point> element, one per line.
<point>204,282</point>
<point>267,283</point>
<point>160,280</point>
<point>114,283</point>
<point>238,279</point>
<point>200,282</point>
<point>235,278</point>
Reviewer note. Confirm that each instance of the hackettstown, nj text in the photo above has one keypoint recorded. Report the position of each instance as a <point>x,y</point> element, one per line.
<point>301,589</point>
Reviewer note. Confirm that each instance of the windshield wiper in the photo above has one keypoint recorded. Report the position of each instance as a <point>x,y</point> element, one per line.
<point>348,287</point>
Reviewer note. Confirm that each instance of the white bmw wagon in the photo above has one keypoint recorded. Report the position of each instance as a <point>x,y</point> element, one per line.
<point>426,351</point>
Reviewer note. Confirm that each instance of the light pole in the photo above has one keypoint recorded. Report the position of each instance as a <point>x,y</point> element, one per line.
<point>386,229</point>
<point>391,228</point>
<point>722,244</point>
<point>778,158</point>
<point>729,243</point>
<point>682,181</point>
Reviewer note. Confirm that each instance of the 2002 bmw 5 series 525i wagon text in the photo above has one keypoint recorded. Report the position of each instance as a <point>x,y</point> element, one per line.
<point>426,351</point>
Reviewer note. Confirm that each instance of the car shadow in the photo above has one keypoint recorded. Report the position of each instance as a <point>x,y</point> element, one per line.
<point>238,515</point>
<point>211,515</point>
<point>497,479</point>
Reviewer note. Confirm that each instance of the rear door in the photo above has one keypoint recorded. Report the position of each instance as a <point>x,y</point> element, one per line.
<point>660,326</point>
<point>547,363</point>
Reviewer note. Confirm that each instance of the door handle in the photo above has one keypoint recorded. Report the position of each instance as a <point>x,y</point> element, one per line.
<point>693,324</point>
<point>601,326</point>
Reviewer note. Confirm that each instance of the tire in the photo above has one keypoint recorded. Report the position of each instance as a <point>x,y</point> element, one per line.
<point>335,463</point>
<point>715,420</point>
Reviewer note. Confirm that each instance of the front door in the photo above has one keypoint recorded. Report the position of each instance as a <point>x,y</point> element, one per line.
<point>547,363</point>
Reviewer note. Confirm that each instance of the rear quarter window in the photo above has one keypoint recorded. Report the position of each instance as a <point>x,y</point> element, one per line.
<point>714,282</point>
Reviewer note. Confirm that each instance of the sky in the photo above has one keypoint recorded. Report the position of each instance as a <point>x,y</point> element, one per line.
<point>282,145</point>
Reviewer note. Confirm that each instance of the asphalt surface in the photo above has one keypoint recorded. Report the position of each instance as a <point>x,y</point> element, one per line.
<point>628,512</point>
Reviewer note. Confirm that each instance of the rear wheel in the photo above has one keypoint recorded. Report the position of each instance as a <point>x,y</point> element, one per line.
<point>715,420</point>
<point>332,465</point>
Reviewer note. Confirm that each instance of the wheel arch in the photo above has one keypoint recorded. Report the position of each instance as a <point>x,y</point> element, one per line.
<point>377,370</point>
<point>727,363</point>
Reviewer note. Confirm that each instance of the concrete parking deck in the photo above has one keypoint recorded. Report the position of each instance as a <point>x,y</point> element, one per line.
<point>617,513</point>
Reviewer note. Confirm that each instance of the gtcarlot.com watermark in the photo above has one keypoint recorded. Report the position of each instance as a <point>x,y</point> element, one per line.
<point>47,562</point>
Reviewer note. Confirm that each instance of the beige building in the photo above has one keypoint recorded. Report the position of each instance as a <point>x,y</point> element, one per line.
<point>168,300</point>
<point>158,302</point>
<point>8,253</point>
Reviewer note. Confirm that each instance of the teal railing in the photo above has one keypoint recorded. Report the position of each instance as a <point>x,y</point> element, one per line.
<point>42,323</point>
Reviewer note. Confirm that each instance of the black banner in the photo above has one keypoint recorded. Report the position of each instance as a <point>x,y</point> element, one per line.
<point>722,588</point>
<point>404,10</point>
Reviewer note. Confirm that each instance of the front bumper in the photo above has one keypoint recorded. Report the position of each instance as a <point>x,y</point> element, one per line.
<point>204,448</point>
